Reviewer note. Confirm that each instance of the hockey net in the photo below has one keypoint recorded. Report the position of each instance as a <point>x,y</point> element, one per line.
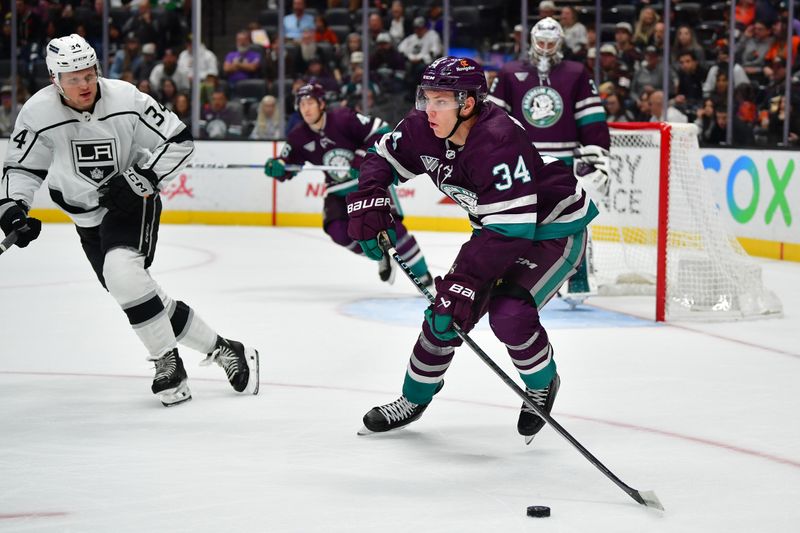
<point>660,231</point>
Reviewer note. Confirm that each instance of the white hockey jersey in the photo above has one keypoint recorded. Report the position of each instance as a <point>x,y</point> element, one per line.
<point>79,151</point>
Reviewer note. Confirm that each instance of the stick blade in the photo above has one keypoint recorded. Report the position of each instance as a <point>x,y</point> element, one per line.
<point>648,498</point>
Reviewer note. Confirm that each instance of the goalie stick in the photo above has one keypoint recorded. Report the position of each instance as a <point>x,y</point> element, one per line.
<point>647,498</point>
<point>290,168</point>
<point>8,242</point>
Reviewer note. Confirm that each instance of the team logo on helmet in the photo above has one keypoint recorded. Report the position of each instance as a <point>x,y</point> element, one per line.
<point>463,197</point>
<point>542,106</point>
<point>338,157</point>
<point>95,160</point>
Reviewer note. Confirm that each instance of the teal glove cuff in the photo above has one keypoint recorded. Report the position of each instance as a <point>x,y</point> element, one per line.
<point>275,168</point>
<point>372,249</point>
<point>354,173</point>
<point>441,325</point>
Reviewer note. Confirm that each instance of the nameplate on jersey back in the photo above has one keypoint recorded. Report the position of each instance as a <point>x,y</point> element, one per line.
<point>95,159</point>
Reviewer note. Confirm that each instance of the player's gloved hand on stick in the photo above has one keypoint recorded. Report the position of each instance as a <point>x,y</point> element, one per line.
<point>455,296</point>
<point>370,212</point>
<point>592,165</point>
<point>14,216</point>
<point>276,168</point>
<point>126,192</point>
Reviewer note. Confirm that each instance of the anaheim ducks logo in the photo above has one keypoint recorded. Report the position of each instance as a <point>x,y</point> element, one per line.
<point>463,197</point>
<point>542,106</point>
<point>338,157</point>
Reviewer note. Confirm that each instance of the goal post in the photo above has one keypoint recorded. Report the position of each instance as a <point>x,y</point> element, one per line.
<point>660,231</point>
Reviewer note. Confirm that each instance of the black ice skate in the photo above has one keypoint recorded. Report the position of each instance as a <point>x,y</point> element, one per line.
<point>529,422</point>
<point>395,415</point>
<point>386,269</point>
<point>169,383</point>
<point>239,362</point>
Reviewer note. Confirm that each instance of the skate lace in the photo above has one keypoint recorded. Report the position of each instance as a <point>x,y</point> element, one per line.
<point>398,409</point>
<point>539,397</point>
<point>225,357</point>
<point>165,367</point>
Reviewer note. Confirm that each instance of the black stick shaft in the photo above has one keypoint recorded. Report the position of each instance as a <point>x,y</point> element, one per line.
<point>8,242</point>
<point>385,244</point>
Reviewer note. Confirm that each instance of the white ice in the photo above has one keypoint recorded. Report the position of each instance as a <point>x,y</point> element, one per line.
<point>704,415</point>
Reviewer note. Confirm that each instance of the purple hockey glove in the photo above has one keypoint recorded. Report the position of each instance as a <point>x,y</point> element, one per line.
<point>370,212</point>
<point>455,296</point>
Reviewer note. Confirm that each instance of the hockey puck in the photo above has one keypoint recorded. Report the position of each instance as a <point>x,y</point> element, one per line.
<point>538,511</point>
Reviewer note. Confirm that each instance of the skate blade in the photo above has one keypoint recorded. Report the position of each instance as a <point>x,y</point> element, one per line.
<point>251,355</point>
<point>176,396</point>
<point>528,439</point>
<point>365,431</point>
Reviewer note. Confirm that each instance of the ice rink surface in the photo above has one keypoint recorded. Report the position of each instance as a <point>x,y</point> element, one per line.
<point>706,415</point>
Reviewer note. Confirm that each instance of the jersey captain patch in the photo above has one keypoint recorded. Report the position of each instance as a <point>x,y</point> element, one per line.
<point>95,160</point>
<point>542,106</point>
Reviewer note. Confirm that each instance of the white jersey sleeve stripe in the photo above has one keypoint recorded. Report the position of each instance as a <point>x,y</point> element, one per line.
<point>497,101</point>
<point>587,101</point>
<point>497,207</point>
<point>522,218</point>
<point>589,111</point>
<point>384,153</point>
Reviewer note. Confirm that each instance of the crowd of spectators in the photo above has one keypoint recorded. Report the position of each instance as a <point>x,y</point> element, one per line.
<point>148,46</point>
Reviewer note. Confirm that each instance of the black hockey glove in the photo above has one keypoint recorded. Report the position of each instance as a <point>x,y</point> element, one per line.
<point>127,192</point>
<point>14,216</point>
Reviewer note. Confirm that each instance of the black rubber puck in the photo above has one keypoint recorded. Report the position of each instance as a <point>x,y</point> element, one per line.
<point>538,511</point>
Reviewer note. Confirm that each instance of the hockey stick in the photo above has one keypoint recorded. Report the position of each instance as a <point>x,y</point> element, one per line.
<point>290,168</point>
<point>9,241</point>
<point>647,498</point>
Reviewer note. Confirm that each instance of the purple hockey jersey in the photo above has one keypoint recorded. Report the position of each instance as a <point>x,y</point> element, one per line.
<point>559,114</point>
<point>497,177</point>
<point>342,141</point>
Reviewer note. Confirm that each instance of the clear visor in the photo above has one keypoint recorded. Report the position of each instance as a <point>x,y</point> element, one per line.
<point>431,100</point>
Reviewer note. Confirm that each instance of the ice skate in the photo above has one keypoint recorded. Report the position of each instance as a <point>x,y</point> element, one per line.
<point>386,269</point>
<point>239,362</point>
<point>529,422</point>
<point>169,383</point>
<point>394,415</point>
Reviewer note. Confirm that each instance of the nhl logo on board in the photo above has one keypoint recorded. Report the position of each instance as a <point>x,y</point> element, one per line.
<point>95,160</point>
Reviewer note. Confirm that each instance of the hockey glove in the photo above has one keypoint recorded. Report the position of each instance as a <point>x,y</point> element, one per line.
<point>455,296</point>
<point>592,165</point>
<point>370,213</point>
<point>126,192</point>
<point>276,168</point>
<point>14,216</point>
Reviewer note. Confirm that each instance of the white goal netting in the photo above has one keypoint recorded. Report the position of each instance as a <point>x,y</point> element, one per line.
<point>702,272</point>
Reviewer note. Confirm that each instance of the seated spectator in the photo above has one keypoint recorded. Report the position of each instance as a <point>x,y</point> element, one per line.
<point>144,86</point>
<point>657,108</point>
<point>705,119</point>
<point>388,65</point>
<point>774,119</point>
<point>615,112</point>
<point>685,41</point>
<point>317,71</point>
<point>352,89</point>
<point>167,93</point>
<point>148,63</point>
<point>645,26</point>
<point>207,64</point>
<point>658,37</point>
<point>547,8</point>
<point>308,50</point>
<point>7,118</point>
<point>420,49</point>
<point>778,48</point>
<point>297,21</point>
<point>374,26</point>
<point>623,41</point>
<point>126,59</point>
<point>146,28</point>
<point>323,32</point>
<point>609,63</point>
<point>399,26</point>
<point>742,133</point>
<point>168,68</point>
<point>575,38</point>
<point>650,72</point>
<point>691,76</point>
<point>183,108</point>
<point>221,119</point>
<point>739,75</point>
<point>642,111</point>
<point>353,44</point>
<point>267,125</point>
<point>435,19</point>
<point>244,63</point>
<point>754,47</point>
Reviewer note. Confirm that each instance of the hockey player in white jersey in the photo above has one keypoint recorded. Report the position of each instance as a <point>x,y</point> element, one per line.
<point>106,150</point>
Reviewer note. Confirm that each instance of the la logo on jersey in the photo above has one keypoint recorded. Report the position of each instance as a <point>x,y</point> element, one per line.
<point>95,160</point>
<point>542,106</point>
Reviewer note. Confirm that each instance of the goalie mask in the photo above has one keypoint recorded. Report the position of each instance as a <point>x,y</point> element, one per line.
<point>69,54</point>
<point>547,38</point>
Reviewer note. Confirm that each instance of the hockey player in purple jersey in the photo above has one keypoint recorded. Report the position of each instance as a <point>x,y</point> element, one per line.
<point>340,137</point>
<point>558,104</point>
<point>529,221</point>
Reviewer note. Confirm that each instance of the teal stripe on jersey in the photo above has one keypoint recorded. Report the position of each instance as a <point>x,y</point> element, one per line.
<point>590,119</point>
<point>542,378</point>
<point>562,273</point>
<point>557,230</point>
<point>521,231</point>
<point>420,393</point>
<point>567,160</point>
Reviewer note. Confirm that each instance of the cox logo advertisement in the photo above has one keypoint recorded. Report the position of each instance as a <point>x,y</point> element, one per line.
<point>759,191</point>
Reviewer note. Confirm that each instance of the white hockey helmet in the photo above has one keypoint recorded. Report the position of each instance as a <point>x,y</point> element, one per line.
<point>69,54</point>
<point>547,38</point>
